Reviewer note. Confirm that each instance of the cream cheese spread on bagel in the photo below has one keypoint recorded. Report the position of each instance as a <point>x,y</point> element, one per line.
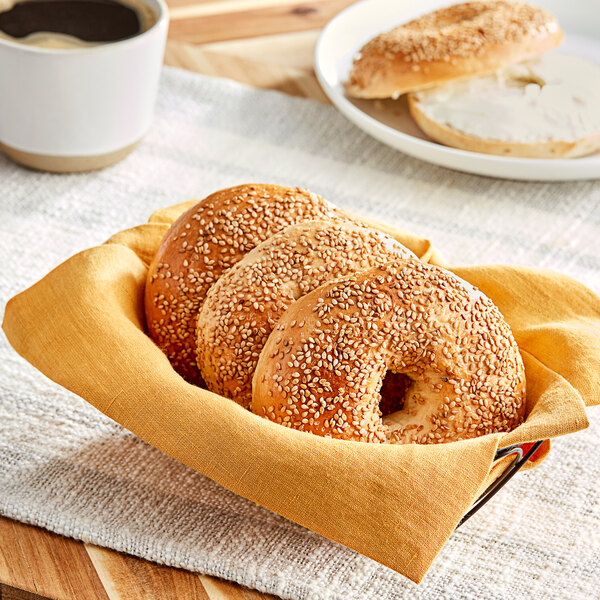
<point>545,107</point>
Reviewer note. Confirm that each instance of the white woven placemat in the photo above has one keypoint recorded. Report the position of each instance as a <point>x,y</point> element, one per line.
<point>68,468</point>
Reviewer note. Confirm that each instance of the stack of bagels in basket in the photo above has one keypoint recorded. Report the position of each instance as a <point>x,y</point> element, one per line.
<point>477,77</point>
<point>298,311</point>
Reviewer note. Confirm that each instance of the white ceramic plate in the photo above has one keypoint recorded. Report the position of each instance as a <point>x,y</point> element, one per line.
<point>390,122</point>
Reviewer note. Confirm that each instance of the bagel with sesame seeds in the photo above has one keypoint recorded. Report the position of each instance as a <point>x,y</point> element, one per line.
<point>243,307</point>
<point>473,38</point>
<point>203,243</point>
<point>462,371</point>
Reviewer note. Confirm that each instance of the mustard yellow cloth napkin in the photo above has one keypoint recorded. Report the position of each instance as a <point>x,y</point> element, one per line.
<point>83,326</point>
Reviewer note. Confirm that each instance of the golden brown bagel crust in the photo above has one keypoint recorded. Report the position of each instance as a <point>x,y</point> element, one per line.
<point>467,39</point>
<point>204,242</point>
<point>242,308</point>
<point>441,132</point>
<point>325,376</point>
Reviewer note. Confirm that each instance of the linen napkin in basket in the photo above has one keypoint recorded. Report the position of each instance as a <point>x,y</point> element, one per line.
<point>83,326</point>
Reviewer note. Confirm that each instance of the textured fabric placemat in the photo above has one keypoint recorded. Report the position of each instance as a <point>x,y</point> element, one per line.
<point>66,467</point>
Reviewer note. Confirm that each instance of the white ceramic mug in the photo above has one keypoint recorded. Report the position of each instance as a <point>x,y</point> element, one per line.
<point>81,108</point>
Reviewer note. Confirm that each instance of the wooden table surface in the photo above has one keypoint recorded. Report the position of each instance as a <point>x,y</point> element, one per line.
<point>263,43</point>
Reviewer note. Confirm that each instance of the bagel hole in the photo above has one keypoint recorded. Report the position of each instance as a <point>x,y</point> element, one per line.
<point>393,392</point>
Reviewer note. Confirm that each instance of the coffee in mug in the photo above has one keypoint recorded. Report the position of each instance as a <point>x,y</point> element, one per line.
<point>73,23</point>
<point>80,79</point>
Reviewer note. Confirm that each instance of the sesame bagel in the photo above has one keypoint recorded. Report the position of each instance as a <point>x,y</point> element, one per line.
<point>245,304</point>
<point>323,367</point>
<point>451,43</point>
<point>204,242</point>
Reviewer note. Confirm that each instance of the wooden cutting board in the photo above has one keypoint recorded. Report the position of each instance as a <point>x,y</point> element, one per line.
<point>36,564</point>
<point>264,43</point>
